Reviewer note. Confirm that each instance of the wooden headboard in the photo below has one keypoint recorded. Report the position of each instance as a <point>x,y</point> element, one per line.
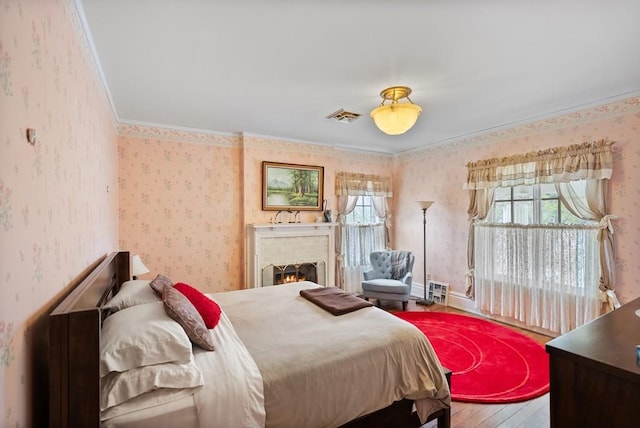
<point>74,345</point>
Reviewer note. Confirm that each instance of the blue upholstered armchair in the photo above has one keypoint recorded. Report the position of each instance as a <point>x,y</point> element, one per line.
<point>390,277</point>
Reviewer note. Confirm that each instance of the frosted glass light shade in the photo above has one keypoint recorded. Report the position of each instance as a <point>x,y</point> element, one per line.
<point>396,118</point>
<point>137,267</point>
<point>425,204</point>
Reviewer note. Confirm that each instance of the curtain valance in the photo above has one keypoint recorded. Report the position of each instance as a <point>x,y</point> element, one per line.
<point>354,184</point>
<point>591,160</point>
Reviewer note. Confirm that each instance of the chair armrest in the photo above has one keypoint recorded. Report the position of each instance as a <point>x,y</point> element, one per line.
<point>407,279</point>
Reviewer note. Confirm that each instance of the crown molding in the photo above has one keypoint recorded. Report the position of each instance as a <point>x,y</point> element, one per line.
<point>549,123</point>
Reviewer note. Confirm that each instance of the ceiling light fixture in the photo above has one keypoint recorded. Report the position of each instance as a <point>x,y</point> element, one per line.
<point>396,118</point>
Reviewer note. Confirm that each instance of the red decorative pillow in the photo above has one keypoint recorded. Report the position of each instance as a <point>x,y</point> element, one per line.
<point>208,309</point>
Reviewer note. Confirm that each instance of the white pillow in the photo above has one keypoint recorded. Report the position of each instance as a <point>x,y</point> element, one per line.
<point>141,335</point>
<point>132,293</point>
<point>120,387</point>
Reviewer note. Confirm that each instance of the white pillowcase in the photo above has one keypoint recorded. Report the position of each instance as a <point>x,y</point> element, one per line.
<point>141,335</point>
<point>132,293</point>
<point>120,387</point>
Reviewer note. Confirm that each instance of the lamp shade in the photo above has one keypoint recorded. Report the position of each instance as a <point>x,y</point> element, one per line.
<point>137,267</point>
<point>425,204</point>
<point>396,119</point>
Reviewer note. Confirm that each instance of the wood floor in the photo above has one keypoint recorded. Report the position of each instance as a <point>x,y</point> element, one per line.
<point>527,414</point>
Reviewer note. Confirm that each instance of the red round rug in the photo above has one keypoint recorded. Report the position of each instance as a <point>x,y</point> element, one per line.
<point>489,363</point>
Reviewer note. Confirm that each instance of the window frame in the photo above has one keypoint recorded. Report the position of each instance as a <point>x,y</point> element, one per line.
<point>537,199</point>
<point>360,205</point>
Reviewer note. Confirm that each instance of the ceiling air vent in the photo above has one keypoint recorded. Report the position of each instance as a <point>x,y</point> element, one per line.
<point>344,116</point>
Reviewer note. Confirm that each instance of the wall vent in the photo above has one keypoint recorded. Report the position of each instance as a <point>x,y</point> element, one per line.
<point>344,116</point>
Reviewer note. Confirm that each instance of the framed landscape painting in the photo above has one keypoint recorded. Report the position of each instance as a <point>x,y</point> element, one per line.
<point>292,187</point>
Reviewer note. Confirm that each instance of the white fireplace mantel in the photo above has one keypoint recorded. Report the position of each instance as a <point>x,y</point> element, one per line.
<point>289,243</point>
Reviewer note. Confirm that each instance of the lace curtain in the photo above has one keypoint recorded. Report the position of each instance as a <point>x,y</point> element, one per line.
<point>535,284</point>
<point>590,161</point>
<point>355,242</point>
<point>358,242</point>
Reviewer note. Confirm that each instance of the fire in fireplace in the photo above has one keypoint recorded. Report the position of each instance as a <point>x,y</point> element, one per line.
<point>283,274</point>
<point>275,274</point>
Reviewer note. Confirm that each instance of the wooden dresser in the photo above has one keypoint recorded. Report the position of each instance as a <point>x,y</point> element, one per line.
<point>594,378</point>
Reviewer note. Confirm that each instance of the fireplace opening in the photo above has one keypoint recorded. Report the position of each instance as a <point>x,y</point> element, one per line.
<point>276,274</point>
<point>284,274</point>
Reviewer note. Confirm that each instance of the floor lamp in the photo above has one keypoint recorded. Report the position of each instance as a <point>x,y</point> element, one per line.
<point>425,206</point>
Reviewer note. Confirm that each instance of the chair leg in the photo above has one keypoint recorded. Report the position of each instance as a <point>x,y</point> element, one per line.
<point>404,306</point>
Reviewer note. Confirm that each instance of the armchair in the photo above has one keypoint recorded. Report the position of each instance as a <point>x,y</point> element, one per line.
<point>390,277</point>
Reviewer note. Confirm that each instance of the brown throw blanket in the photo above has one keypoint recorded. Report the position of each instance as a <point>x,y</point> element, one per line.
<point>334,300</point>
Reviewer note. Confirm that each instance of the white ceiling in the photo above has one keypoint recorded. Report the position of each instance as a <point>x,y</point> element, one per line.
<point>279,67</point>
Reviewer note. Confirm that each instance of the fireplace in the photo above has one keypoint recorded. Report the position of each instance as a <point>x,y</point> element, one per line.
<point>280,253</point>
<point>284,274</point>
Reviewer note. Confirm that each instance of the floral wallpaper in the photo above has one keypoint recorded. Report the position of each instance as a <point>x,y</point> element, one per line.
<point>180,209</point>
<point>185,197</point>
<point>438,174</point>
<point>58,198</point>
<point>182,199</point>
<point>435,173</point>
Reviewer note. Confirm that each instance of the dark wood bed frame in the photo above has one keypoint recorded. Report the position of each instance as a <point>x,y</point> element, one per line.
<point>74,356</point>
<point>74,345</point>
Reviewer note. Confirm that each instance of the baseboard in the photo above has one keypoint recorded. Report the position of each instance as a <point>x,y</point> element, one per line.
<point>462,302</point>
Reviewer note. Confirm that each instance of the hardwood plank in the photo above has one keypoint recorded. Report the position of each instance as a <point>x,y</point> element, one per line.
<point>527,412</point>
<point>503,412</point>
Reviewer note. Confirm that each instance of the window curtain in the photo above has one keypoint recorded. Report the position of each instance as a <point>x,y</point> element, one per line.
<point>586,161</point>
<point>593,206</point>
<point>348,187</point>
<point>535,282</point>
<point>480,201</point>
<point>381,206</point>
<point>346,204</point>
<point>358,242</point>
<point>558,165</point>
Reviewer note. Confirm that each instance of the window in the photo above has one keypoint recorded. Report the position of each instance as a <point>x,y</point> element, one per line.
<point>362,233</point>
<point>531,260</point>
<point>536,262</point>
<point>364,212</point>
<point>536,204</point>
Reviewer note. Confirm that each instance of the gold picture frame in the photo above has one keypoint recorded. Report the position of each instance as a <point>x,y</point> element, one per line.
<point>292,187</point>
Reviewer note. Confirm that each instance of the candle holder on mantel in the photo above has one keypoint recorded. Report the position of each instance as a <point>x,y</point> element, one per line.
<point>291,217</point>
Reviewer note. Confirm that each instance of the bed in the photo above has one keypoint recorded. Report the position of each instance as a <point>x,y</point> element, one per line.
<point>294,362</point>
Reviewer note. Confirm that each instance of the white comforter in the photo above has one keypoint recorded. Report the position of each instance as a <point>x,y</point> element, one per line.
<point>321,370</point>
<point>232,395</point>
